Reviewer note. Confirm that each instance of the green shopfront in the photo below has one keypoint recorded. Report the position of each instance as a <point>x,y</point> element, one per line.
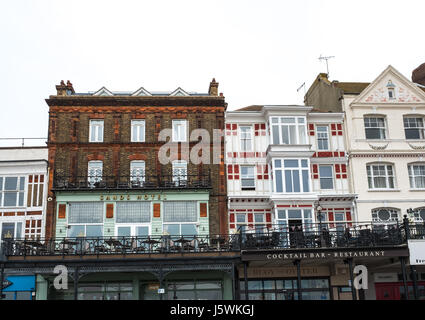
<point>131,214</point>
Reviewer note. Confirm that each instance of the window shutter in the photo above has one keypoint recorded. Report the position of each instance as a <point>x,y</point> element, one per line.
<point>156,210</point>
<point>62,211</point>
<point>203,210</point>
<point>109,211</point>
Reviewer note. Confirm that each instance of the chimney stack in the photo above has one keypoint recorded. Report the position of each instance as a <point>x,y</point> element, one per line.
<point>213,89</point>
<point>65,89</point>
<point>418,75</point>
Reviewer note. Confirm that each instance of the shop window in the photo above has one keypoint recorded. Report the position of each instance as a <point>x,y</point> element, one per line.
<point>180,217</point>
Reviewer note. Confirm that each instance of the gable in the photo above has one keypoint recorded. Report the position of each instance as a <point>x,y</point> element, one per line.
<point>390,80</point>
<point>179,92</point>
<point>103,92</point>
<point>141,92</point>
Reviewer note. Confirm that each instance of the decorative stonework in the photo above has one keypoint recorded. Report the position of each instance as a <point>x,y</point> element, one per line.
<point>380,95</point>
<point>378,147</point>
<point>417,147</point>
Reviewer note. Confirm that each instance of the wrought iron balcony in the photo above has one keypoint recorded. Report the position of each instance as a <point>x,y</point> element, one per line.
<point>276,237</point>
<point>120,245</point>
<point>334,235</point>
<point>130,182</point>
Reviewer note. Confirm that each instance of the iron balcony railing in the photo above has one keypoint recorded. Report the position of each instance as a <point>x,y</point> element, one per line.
<point>120,245</point>
<point>131,182</point>
<point>277,237</point>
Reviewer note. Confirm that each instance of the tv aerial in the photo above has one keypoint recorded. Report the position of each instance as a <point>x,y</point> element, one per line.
<point>326,59</point>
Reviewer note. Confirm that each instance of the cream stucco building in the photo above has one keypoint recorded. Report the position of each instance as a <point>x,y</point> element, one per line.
<point>385,139</point>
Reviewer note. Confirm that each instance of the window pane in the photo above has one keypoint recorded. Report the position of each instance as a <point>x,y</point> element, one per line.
<point>85,212</point>
<point>8,230</point>
<point>275,134</point>
<point>142,231</point>
<point>172,229</point>
<point>279,182</point>
<point>10,199</point>
<point>296,177</point>
<point>188,229</point>
<point>288,181</point>
<point>285,135</point>
<point>180,211</point>
<point>124,232</point>
<point>11,183</point>
<point>294,214</point>
<point>133,212</point>
<point>302,135</point>
<point>291,163</point>
<point>93,231</point>
<point>76,231</point>
<point>306,187</point>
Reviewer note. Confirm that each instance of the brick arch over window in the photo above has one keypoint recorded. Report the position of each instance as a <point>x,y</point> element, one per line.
<point>95,156</point>
<point>137,156</point>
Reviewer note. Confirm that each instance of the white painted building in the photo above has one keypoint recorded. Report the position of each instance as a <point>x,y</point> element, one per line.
<point>23,191</point>
<point>282,163</point>
<point>386,143</point>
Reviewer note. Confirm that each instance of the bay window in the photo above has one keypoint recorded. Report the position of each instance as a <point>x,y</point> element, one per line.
<point>289,130</point>
<point>291,175</point>
<point>380,176</point>
<point>180,217</point>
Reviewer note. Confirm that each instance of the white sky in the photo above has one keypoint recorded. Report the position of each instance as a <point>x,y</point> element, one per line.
<point>259,51</point>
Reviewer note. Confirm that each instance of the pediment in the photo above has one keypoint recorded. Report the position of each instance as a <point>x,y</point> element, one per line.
<point>391,87</point>
<point>141,92</point>
<point>179,92</point>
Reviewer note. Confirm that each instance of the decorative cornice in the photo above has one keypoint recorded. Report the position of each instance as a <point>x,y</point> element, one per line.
<point>136,101</point>
<point>387,155</point>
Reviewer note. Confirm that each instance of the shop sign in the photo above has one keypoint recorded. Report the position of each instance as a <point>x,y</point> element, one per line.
<point>128,197</point>
<point>322,255</point>
<point>417,252</point>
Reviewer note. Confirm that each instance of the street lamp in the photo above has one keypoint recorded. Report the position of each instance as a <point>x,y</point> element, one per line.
<point>320,217</point>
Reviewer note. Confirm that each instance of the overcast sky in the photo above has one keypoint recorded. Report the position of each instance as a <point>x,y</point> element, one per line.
<point>259,51</point>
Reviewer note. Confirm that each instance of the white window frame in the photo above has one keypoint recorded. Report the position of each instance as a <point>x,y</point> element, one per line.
<point>300,124</point>
<point>15,221</point>
<point>394,215</point>
<point>139,165</point>
<point>176,134</point>
<point>421,129</point>
<point>94,165</point>
<point>382,129</point>
<point>300,168</point>
<point>248,177</point>
<point>328,178</point>
<point>139,126</point>
<point>18,191</point>
<point>243,141</point>
<point>412,176</point>
<point>258,225</point>
<point>179,170</point>
<point>322,135</point>
<point>98,127</point>
<point>133,227</point>
<point>391,93</point>
<point>371,176</point>
<point>85,229</point>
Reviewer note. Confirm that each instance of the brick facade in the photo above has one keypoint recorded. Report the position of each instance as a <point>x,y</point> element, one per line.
<point>70,149</point>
